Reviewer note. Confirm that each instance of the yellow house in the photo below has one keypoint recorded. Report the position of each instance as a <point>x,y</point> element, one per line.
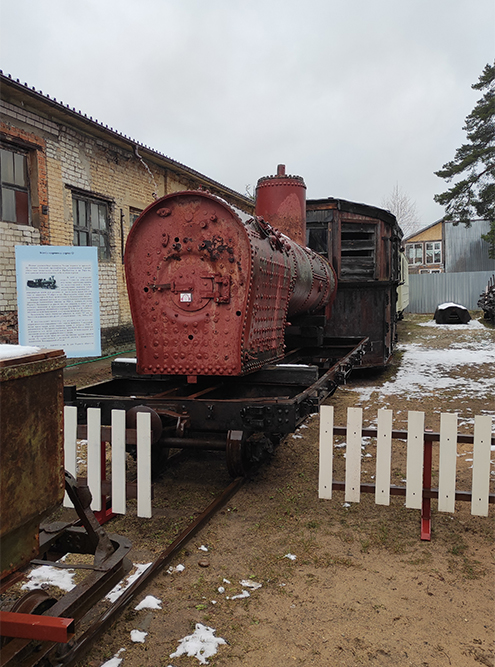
<point>425,250</point>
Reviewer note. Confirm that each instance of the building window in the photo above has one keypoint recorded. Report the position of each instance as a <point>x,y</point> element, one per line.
<point>91,224</point>
<point>14,198</point>
<point>414,253</point>
<point>134,214</point>
<point>434,252</point>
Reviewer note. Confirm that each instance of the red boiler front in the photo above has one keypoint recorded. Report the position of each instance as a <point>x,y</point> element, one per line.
<point>210,294</point>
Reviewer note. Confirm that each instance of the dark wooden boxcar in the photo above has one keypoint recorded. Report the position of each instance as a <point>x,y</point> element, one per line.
<point>363,244</point>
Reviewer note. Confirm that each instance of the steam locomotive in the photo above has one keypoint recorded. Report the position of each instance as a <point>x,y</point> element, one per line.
<point>245,326</point>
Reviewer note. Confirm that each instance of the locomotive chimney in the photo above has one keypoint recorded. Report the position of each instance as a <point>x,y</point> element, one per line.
<point>281,201</point>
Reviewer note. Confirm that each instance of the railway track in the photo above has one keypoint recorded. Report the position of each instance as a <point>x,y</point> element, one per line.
<point>21,653</point>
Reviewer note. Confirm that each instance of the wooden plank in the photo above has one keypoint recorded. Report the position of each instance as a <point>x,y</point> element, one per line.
<point>326,452</point>
<point>481,465</point>
<point>94,457</point>
<point>70,445</point>
<point>353,455</point>
<point>383,457</point>
<point>415,446</point>
<point>118,462</point>
<point>144,464</point>
<point>447,462</point>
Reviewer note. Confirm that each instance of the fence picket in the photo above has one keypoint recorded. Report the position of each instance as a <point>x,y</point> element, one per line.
<point>415,450</point>
<point>383,457</point>
<point>70,445</point>
<point>144,464</point>
<point>118,462</point>
<point>94,457</point>
<point>447,462</point>
<point>326,452</point>
<point>481,465</point>
<point>353,455</point>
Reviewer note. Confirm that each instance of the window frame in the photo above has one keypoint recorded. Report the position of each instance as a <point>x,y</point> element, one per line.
<point>437,248</point>
<point>90,208</point>
<point>412,260</point>
<point>22,191</point>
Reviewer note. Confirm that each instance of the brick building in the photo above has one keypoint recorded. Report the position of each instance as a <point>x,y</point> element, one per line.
<point>66,179</point>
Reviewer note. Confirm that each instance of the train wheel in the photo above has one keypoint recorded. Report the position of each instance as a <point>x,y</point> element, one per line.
<point>244,453</point>
<point>237,462</point>
<point>35,602</point>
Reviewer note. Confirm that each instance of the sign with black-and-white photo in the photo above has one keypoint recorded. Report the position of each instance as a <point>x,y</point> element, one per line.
<point>58,299</point>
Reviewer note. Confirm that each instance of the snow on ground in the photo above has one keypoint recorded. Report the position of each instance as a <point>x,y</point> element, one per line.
<point>424,370</point>
<point>201,644</point>
<point>47,575</point>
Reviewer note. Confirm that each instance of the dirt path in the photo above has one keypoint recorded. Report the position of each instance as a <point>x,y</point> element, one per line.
<point>362,589</point>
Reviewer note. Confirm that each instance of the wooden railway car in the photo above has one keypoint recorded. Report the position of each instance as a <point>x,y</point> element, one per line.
<point>363,244</point>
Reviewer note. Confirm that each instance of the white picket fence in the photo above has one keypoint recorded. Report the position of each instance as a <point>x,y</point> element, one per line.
<point>480,490</point>
<point>118,470</point>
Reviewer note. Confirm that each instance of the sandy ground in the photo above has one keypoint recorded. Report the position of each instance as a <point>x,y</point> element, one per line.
<point>363,588</point>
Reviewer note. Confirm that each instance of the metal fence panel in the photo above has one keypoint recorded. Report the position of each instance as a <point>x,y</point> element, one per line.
<point>428,290</point>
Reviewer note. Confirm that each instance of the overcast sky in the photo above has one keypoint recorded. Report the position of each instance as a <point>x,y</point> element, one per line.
<point>355,96</point>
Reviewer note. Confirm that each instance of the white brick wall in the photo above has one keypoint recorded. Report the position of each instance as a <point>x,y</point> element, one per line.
<point>109,302</point>
<point>10,236</point>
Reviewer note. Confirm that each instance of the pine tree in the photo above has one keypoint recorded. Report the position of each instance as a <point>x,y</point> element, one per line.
<point>474,195</point>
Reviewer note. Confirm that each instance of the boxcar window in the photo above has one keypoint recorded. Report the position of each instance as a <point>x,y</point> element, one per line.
<point>14,191</point>
<point>91,224</point>
<point>358,250</point>
<point>317,238</point>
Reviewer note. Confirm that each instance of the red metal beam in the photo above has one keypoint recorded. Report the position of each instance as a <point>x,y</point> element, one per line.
<point>32,626</point>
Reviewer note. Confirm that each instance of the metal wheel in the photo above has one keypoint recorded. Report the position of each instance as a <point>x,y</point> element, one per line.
<point>35,602</point>
<point>237,461</point>
<point>246,451</point>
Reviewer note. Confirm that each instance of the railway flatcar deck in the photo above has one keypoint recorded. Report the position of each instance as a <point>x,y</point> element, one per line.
<point>223,413</point>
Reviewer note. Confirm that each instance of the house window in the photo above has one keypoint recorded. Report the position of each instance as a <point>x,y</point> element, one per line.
<point>134,214</point>
<point>91,224</point>
<point>14,198</point>
<point>414,253</point>
<point>433,252</point>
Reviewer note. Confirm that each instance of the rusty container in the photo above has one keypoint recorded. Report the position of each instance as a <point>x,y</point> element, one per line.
<point>31,450</point>
<point>281,200</point>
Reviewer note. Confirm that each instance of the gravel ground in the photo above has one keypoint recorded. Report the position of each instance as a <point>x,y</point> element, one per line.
<point>340,585</point>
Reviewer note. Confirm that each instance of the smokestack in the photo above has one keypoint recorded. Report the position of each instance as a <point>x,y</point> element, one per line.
<point>281,201</point>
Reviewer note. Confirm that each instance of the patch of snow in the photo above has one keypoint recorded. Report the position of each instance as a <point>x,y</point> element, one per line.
<point>138,636</point>
<point>50,576</point>
<point>149,602</point>
<point>9,351</point>
<point>244,594</point>
<point>117,591</point>
<point>248,583</point>
<point>115,661</point>
<point>202,644</point>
